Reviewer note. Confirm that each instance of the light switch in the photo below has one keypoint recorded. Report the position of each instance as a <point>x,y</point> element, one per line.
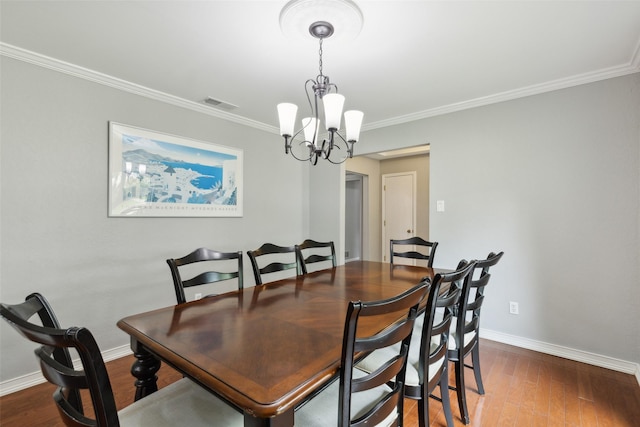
<point>440,206</point>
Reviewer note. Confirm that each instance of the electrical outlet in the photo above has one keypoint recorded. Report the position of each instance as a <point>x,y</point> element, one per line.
<point>513,307</point>
<point>197,296</point>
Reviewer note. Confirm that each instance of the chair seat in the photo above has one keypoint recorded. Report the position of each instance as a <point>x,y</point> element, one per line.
<point>183,403</point>
<point>412,378</point>
<point>375,359</point>
<point>453,341</point>
<point>322,410</point>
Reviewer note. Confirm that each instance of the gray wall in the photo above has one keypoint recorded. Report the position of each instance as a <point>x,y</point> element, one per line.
<point>554,181</point>
<point>56,237</point>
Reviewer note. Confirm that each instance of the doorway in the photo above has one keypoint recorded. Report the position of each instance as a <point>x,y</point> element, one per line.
<point>355,215</point>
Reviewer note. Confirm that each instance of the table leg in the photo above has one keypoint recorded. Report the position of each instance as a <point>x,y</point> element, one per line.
<point>144,369</point>
<point>282,420</point>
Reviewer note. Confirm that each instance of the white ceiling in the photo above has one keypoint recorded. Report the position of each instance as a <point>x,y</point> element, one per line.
<point>412,59</point>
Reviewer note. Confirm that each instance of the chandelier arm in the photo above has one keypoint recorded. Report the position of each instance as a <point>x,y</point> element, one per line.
<point>337,144</point>
<point>302,159</point>
<point>326,149</point>
<point>308,93</point>
<point>344,159</point>
<point>289,149</point>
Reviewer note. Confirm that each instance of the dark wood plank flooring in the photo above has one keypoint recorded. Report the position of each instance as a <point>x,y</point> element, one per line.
<point>523,388</point>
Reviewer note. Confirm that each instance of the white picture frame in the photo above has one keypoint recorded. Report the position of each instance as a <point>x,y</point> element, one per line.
<point>153,174</point>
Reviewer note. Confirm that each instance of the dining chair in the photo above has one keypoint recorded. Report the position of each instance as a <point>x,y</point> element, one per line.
<point>180,403</point>
<point>427,366</point>
<point>465,329</point>
<point>268,251</point>
<point>371,399</point>
<point>311,251</point>
<point>427,249</point>
<point>207,257</point>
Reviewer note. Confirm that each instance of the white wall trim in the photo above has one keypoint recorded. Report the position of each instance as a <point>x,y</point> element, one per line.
<point>565,352</point>
<point>106,80</point>
<point>35,378</point>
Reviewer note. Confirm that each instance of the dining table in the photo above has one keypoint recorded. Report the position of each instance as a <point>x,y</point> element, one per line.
<point>265,349</point>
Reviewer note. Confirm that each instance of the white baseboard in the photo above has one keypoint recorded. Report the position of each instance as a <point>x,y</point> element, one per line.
<point>565,352</point>
<point>25,381</point>
<point>35,378</point>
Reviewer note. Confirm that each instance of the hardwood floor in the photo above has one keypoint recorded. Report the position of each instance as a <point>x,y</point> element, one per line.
<point>523,388</point>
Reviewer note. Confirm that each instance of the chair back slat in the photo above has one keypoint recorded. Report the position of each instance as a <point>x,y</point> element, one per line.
<point>209,277</point>
<point>392,335</point>
<point>58,373</point>
<point>376,414</point>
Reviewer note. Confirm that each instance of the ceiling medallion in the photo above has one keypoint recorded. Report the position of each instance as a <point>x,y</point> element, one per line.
<point>297,16</point>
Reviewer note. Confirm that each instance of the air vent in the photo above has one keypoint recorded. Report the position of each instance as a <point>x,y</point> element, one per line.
<point>219,103</point>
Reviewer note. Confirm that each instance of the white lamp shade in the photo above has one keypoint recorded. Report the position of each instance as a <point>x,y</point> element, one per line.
<point>287,115</point>
<point>353,123</point>
<point>310,126</point>
<point>333,103</point>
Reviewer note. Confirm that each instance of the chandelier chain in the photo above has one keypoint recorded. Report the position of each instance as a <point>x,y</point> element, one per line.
<point>320,54</point>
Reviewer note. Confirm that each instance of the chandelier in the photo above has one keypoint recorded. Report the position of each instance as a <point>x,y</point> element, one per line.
<point>307,144</point>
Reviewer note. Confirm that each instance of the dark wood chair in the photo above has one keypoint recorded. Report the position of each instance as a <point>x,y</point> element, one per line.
<point>322,251</point>
<point>428,364</point>
<point>465,330</point>
<point>269,249</point>
<point>181,403</point>
<point>203,255</point>
<point>427,249</point>
<point>376,398</point>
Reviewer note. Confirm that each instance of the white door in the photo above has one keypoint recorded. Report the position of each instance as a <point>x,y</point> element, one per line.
<point>398,210</point>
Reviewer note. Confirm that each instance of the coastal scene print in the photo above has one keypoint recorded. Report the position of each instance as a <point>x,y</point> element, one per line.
<point>162,175</point>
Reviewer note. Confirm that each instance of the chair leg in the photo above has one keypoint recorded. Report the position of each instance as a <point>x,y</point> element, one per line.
<point>460,390</point>
<point>423,409</point>
<point>475,357</point>
<point>446,402</point>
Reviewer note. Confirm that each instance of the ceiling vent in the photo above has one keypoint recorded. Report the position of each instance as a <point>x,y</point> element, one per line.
<point>219,104</point>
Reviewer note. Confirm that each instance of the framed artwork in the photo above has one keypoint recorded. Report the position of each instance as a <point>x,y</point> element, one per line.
<point>152,174</point>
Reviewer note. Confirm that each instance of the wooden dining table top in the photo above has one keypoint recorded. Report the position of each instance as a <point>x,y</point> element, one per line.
<point>266,348</point>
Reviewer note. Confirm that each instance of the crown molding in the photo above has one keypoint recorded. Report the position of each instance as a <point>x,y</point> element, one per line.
<point>84,73</point>
<point>632,67</point>
<point>106,80</point>
<point>635,60</point>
